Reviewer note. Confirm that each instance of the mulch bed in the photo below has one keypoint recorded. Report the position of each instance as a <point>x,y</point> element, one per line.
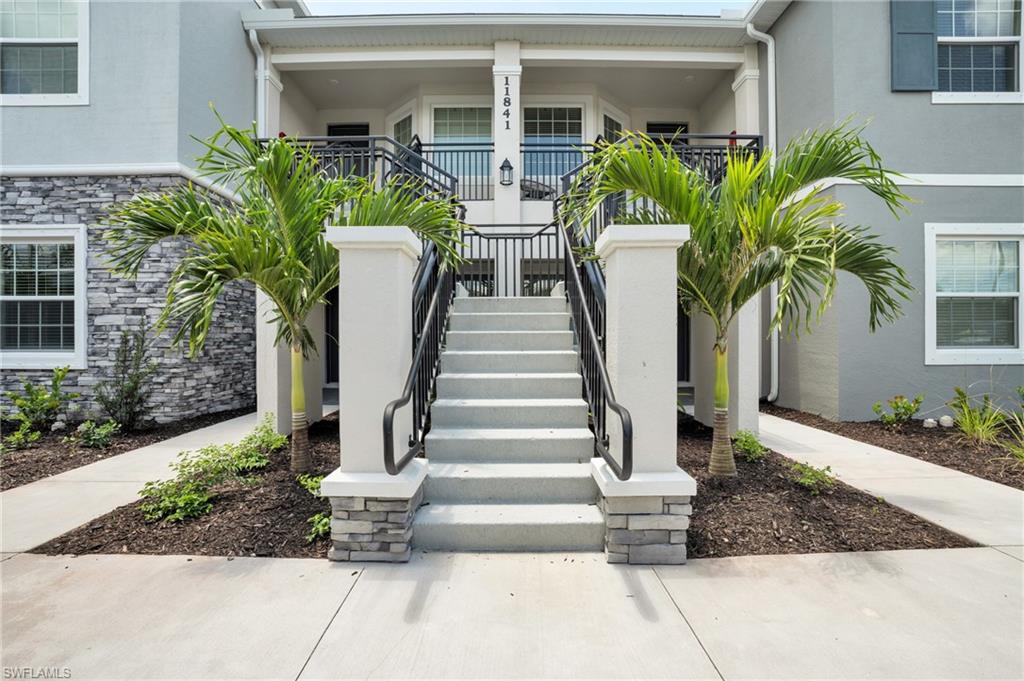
<point>942,446</point>
<point>762,511</point>
<point>268,516</point>
<point>50,455</point>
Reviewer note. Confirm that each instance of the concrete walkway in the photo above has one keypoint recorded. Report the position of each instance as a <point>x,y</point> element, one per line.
<point>39,511</point>
<point>949,614</point>
<point>987,512</point>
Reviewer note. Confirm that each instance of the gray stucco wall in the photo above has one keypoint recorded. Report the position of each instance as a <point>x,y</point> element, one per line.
<point>216,65</point>
<point>222,377</point>
<point>833,62</point>
<point>154,68</point>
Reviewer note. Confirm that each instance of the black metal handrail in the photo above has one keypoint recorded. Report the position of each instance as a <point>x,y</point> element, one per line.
<point>378,156</point>
<point>433,292</point>
<point>586,299</point>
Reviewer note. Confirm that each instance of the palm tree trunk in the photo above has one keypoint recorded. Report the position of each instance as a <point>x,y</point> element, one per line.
<point>301,459</point>
<point>722,461</point>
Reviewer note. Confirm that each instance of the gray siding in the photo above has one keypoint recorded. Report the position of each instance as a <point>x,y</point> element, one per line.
<point>833,62</point>
<point>154,68</point>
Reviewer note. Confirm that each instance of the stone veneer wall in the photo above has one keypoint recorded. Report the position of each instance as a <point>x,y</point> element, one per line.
<point>646,530</point>
<point>222,377</point>
<point>372,529</point>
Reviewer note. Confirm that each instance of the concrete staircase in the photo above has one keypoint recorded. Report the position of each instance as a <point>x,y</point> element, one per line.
<point>509,447</point>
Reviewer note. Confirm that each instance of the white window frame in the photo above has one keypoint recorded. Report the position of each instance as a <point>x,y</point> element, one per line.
<point>76,234</point>
<point>406,110</point>
<point>1014,97</point>
<point>79,98</point>
<point>979,231</point>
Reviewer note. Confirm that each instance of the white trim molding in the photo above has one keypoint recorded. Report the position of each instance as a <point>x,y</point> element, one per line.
<point>76,234</point>
<point>977,97</point>
<point>80,98</point>
<point>744,76</point>
<point>933,355</point>
<point>111,169</point>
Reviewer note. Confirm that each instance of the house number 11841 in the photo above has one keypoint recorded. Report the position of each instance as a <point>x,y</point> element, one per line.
<point>507,103</point>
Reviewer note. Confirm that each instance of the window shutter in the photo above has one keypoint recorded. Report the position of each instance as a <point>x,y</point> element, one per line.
<point>914,50</point>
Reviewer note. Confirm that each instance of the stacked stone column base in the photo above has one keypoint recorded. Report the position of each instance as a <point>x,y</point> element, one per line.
<point>649,530</point>
<point>372,529</point>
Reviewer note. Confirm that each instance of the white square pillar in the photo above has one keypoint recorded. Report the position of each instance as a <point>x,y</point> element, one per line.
<point>375,352</point>
<point>640,350</point>
<point>507,74</point>
<point>647,515</point>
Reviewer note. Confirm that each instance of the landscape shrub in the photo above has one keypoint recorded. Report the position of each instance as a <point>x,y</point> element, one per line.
<point>749,447</point>
<point>125,396</point>
<point>815,480</point>
<point>41,406</point>
<point>981,422</point>
<point>191,491</point>
<point>21,438</point>
<point>1014,444</point>
<point>319,524</point>
<point>93,435</point>
<point>902,410</point>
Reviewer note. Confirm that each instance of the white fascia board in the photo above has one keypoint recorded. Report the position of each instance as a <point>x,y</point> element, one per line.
<point>705,57</point>
<point>346,58</point>
<point>261,21</point>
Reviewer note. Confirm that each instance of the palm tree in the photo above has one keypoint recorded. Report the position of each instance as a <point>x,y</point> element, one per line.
<point>272,237</point>
<point>761,224</point>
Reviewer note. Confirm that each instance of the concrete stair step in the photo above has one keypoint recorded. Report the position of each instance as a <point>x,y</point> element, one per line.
<point>509,527</point>
<point>527,483</point>
<point>514,413</point>
<point>509,361</point>
<point>509,340</point>
<point>510,304</point>
<point>509,321</point>
<point>509,445</point>
<point>485,385</point>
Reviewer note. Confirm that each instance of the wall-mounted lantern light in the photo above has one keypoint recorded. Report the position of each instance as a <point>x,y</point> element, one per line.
<point>506,173</point>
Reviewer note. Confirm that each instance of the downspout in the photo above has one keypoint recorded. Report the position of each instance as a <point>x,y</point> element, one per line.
<point>261,83</point>
<point>773,289</point>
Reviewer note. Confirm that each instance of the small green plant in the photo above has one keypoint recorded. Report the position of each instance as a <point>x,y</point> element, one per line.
<point>815,480</point>
<point>902,410</point>
<point>40,406</point>
<point>125,397</point>
<point>319,524</point>
<point>1014,445</point>
<point>749,447</point>
<point>981,422</point>
<point>22,437</point>
<point>191,491</point>
<point>319,527</point>
<point>93,435</point>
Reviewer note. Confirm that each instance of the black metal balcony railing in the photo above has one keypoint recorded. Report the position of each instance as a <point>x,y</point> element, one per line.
<point>543,165</point>
<point>381,157</point>
<point>471,162</point>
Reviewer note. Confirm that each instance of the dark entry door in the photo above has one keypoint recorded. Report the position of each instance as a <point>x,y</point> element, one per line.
<point>353,153</point>
<point>670,129</point>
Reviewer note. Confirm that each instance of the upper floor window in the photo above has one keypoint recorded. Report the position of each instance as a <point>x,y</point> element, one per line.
<point>44,51</point>
<point>979,45</point>
<point>42,296</point>
<point>974,293</point>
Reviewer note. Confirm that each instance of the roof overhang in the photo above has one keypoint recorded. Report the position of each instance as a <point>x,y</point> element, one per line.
<point>280,28</point>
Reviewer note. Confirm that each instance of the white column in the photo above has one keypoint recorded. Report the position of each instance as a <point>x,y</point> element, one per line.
<point>375,345</point>
<point>273,364</point>
<point>640,350</point>
<point>507,136</point>
<point>745,332</point>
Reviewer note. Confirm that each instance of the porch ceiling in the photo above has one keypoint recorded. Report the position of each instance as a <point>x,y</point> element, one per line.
<point>380,87</point>
<point>633,86</point>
